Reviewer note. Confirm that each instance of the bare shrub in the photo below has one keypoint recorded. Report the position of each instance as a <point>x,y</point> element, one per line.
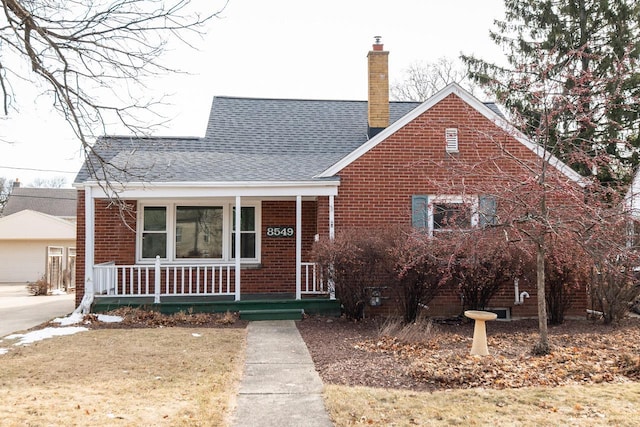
<point>613,290</point>
<point>421,272</point>
<point>567,267</point>
<point>482,261</point>
<point>357,260</point>
<point>39,287</point>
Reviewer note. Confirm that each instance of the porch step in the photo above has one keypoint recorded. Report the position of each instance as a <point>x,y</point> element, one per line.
<point>272,314</point>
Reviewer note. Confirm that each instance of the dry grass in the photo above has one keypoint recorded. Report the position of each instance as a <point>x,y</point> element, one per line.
<point>419,331</point>
<point>124,377</point>
<point>588,405</point>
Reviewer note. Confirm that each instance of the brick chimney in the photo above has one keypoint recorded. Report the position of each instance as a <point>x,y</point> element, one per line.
<point>378,88</point>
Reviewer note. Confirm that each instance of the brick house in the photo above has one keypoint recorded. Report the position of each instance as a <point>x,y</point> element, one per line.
<point>288,171</point>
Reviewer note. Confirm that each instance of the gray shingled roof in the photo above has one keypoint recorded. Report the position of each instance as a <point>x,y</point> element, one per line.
<point>247,139</point>
<point>52,201</point>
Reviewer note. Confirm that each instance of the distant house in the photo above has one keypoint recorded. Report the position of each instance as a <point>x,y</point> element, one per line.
<point>58,202</point>
<point>233,216</point>
<point>38,236</point>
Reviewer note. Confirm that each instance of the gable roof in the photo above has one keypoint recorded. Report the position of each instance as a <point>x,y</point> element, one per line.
<point>59,202</point>
<point>247,139</point>
<point>488,110</point>
<point>256,140</point>
<point>32,225</point>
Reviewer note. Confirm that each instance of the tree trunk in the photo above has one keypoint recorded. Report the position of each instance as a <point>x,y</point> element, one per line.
<point>542,347</point>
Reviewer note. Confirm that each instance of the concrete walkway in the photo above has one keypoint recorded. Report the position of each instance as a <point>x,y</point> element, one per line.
<point>280,386</point>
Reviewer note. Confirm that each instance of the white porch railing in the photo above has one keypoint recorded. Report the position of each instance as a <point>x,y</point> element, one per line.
<point>183,280</point>
<point>163,280</point>
<point>312,280</point>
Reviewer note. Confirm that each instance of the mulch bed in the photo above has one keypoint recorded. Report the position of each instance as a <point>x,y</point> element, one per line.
<point>583,352</point>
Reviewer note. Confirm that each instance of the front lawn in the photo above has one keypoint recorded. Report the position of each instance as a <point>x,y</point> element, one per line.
<point>123,377</point>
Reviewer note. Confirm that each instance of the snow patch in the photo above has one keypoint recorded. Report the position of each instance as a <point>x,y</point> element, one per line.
<point>75,318</point>
<point>42,334</point>
<point>196,335</point>
<point>71,319</point>
<point>58,292</point>
<point>3,351</point>
<point>107,318</point>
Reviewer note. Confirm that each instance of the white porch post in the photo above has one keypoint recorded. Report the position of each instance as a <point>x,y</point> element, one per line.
<point>89,239</point>
<point>237,254</point>
<point>298,247</point>
<point>332,234</point>
<point>156,284</point>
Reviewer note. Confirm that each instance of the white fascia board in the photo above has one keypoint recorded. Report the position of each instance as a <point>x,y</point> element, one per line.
<point>138,190</point>
<point>454,88</point>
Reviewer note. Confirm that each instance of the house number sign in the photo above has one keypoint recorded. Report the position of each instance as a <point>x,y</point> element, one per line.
<point>280,231</point>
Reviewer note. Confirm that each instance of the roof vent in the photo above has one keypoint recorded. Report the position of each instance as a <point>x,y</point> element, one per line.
<point>451,137</point>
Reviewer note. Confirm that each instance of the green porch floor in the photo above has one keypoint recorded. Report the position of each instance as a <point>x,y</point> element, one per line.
<point>212,304</point>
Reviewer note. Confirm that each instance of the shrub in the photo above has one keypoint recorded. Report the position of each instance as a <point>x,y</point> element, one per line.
<point>567,267</point>
<point>482,261</point>
<point>357,260</point>
<point>420,272</point>
<point>39,287</point>
<point>613,289</point>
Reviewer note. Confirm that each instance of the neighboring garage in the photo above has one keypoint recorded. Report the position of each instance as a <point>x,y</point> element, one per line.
<point>38,236</point>
<point>35,245</point>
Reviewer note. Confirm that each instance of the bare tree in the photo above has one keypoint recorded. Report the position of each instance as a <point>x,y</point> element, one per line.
<point>537,205</point>
<point>89,56</point>
<point>423,79</point>
<point>54,182</point>
<point>5,190</point>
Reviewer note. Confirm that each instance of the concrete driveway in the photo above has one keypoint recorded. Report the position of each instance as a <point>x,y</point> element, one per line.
<point>20,311</point>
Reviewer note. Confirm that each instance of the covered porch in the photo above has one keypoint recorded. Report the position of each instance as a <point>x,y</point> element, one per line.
<point>232,282</point>
<point>207,288</point>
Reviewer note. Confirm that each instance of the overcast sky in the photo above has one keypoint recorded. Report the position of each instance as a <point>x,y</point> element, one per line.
<point>272,49</point>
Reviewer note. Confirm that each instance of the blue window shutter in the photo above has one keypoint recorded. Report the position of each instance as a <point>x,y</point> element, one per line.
<point>420,212</point>
<point>487,210</point>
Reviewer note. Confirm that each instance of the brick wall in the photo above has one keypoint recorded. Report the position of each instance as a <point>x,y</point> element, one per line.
<point>115,236</point>
<point>277,272</point>
<point>377,188</point>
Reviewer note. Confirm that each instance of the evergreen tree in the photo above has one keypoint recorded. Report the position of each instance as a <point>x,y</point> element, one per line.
<point>593,47</point>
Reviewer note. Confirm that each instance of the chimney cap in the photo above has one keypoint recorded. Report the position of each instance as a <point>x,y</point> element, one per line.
<point>378,46</point>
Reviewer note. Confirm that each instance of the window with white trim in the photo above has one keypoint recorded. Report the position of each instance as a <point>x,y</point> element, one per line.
<point>451,216</point>
<point>187,232</point>
<point>450,212</point>
<point>247,233</point>
<point>154,232</point>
